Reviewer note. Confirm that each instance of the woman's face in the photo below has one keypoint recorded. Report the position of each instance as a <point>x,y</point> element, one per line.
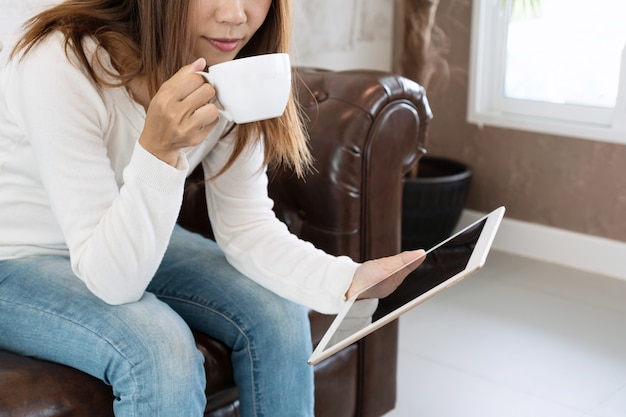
<point>221,28</point>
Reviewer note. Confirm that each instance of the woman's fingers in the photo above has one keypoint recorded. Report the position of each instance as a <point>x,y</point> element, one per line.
<point>185,81</point>
<point>180,114</point>
<point>382,276</point>
<point>204,118</point>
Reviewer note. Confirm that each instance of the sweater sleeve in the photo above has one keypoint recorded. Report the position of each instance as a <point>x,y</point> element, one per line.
<point>259,245</point>
<point>116,233</point>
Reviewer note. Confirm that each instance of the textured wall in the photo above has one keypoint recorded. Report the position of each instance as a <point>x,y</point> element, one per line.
<point>327,33</point>
<point>343,34</point>
<point>572,184</point>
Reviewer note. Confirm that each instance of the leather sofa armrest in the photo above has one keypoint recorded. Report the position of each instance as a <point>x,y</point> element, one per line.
<point>367,129</point>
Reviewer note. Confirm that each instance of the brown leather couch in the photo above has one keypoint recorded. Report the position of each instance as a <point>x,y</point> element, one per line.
<point>367,129</point>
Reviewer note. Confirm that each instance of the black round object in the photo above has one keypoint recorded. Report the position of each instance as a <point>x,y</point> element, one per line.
<point>432,202</point>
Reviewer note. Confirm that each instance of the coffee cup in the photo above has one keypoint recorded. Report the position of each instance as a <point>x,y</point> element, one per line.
<point>252,88</point>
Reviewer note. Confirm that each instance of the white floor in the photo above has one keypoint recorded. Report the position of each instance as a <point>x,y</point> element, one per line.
<point>519,338</point>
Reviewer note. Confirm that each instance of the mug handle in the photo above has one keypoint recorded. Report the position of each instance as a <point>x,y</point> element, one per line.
<point>223,113</point>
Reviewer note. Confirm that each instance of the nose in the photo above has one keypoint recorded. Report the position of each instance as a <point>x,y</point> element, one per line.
<point>231,12</point>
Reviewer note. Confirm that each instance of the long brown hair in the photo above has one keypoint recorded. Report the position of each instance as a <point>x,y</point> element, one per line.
<point>150,39</point>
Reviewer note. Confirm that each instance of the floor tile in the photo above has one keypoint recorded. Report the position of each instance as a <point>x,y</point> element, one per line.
<point>614,406</point>
<point>438,390</point>
<point>576,285</point>
<point>541,334</point>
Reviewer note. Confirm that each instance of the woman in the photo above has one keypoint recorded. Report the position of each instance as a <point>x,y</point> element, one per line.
<point>102,115</point>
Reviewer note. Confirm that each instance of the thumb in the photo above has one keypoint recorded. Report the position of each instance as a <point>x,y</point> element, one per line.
<point>198,65</point>
<point>409,258</point>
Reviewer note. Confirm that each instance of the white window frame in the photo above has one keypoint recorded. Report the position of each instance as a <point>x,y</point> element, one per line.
<point>487,105</point>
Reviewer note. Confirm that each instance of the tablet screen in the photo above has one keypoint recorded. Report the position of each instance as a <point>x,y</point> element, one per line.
<point>441,263</point>
<point>444,265</point>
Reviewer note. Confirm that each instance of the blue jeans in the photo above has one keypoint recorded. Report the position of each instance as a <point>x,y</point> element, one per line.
<point>145,350</point>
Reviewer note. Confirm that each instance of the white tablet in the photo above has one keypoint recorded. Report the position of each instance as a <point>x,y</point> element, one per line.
<point>446,264</point>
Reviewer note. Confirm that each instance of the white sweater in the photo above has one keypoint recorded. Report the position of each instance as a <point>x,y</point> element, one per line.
<point>74,181</point>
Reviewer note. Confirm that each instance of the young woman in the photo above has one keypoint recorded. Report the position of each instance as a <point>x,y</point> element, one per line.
<point>102,115</point>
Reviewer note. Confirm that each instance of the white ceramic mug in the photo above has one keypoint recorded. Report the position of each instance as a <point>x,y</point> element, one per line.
<point>253,88</point>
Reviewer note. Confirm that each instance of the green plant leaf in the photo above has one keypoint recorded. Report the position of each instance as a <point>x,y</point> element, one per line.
<point>523,8</point>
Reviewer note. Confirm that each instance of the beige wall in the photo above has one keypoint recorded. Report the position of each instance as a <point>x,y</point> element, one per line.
<point>571,184</point>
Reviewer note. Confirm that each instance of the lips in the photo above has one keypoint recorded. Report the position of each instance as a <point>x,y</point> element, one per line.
<point>224,45</point>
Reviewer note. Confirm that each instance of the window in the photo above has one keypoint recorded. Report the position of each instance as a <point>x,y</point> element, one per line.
<point>551,66</point>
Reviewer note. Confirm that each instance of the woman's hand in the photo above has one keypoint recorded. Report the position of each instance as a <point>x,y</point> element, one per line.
<point>375,271</point>
<point>179,114</point>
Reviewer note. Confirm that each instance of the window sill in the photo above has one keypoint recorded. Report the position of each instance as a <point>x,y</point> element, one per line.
<point>601,133</point>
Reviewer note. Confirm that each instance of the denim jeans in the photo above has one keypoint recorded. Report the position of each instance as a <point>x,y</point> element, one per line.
<point>145,350</point>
